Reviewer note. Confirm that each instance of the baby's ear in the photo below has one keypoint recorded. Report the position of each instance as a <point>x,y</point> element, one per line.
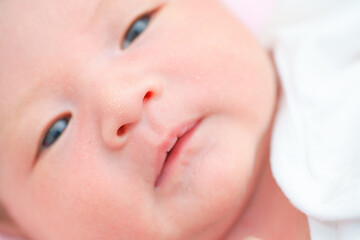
<point>8,229</point>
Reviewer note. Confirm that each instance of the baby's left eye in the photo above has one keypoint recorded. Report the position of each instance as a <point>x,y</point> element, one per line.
<point>54,132</point>
<point>135,30</point>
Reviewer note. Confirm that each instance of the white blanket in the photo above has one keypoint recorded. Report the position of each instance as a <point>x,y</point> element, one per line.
<point>316,140</point>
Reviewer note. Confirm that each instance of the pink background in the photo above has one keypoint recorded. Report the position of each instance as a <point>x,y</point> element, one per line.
<point>253,13</point>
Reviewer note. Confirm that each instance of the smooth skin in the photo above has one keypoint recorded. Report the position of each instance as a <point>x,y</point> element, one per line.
<point>194,62</point>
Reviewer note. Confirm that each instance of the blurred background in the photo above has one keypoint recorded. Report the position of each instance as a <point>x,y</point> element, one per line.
<point>263,16</point>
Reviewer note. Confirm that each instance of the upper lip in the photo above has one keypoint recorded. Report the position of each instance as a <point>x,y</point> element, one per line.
<point>169,143</point>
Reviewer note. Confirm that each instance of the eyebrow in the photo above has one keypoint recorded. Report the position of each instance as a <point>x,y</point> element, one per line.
<point>56,84</point>
<point>44,87</point>
<point>33,95</point>
<point>97,11</point>
<point>98,8</point>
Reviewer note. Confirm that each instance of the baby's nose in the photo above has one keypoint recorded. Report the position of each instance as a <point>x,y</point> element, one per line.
<point>122,107</point>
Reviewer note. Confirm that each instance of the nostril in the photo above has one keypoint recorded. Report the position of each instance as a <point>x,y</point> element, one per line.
<point>148,95</point>
<point>122,130</point>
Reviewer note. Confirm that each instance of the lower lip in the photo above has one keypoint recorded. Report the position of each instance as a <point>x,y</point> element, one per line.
<point>175,153</point>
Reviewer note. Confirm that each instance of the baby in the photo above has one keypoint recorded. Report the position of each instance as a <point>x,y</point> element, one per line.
<point>143,119</point>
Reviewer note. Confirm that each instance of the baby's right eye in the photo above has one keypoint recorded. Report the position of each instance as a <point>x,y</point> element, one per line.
<point>54,132</point>
<point>137,28</point>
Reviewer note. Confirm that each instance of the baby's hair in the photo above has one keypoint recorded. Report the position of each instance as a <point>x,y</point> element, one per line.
<point>7,225</point>
<point>4,217</point>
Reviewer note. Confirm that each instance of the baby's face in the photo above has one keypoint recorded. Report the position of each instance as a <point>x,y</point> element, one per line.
<point>108,136</point>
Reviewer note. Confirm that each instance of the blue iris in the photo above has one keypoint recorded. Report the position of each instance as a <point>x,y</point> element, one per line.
<point>135,30</point>
<point>54,132</point>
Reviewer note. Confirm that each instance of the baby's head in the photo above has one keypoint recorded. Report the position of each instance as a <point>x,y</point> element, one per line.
<point>129,119</point>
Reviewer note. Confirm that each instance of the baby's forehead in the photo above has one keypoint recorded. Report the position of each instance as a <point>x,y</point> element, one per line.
<point>28,24</point>
<point>35,34</point>
<point>31,43</point>
<point>29,27</point>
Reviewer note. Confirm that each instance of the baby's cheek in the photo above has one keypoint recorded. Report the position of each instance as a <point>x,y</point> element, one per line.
<point>87,200</point>
<point>106,207</point>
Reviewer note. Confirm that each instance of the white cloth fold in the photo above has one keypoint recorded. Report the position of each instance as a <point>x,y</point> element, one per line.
<point>316,139</point>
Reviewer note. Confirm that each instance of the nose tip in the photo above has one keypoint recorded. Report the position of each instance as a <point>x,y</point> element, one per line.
<point>124,109</point>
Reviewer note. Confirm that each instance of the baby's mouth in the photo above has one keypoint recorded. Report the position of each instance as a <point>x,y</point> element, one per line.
<point>168,154</point>
<point>175,148</point>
